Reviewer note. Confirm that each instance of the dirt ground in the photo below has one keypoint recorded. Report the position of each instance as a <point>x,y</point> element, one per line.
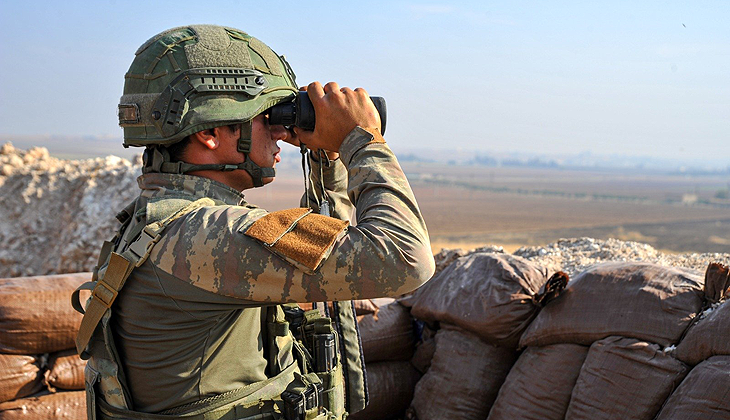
<point>513,207</point>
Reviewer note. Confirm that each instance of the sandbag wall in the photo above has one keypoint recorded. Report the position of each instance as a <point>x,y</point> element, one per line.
<point>619,342</point>
<point>41,377</point>
<point>478,308</point>
<point>496,339</point>
<point>598,350</point>
<point>605,349</point>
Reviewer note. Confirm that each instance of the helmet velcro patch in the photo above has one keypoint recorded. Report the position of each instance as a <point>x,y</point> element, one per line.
<point>298,235</point>
<point>128,114</point>
<point>270,58</point>
<point>140,105</point>
<point>212,37</point>
<point>216,49</point>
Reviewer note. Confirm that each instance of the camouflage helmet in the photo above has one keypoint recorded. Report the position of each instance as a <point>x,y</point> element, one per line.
<point>193,78</point>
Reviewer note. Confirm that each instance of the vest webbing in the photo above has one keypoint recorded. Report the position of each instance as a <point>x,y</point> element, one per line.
<point>247,403</point>
<point>260,400</point>
<point>120,266</point>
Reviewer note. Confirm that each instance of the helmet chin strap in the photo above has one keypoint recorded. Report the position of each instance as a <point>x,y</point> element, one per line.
<point>256,172</point>
<point>157,159</point>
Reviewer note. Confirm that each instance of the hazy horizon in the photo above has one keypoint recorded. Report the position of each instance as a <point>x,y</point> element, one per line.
<point>84,147</point>
<point>630,78</point>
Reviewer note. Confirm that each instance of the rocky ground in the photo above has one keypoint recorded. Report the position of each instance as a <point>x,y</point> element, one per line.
<point>55,213</point>
<point>574,255</point>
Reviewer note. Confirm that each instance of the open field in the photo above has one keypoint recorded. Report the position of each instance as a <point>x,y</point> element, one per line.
<point>472,206</point>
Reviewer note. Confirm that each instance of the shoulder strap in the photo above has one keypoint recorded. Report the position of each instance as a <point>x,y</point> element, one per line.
<point>119,268</point>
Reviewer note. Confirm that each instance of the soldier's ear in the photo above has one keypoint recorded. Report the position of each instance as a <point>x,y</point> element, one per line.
<point>209,138</point>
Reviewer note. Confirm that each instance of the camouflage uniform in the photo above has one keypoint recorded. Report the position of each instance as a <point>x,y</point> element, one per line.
<point>185,317</point>
<point>189,320</point>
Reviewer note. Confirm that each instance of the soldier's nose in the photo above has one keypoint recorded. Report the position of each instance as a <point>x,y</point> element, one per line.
<point>278,132</point>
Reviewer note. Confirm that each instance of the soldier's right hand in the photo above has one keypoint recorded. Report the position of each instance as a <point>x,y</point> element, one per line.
<point>338,111</point>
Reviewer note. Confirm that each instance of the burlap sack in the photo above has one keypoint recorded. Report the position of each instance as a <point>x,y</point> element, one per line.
<point>540,383</point>
<point>639,300</point>
<point>20,376</point>
<point>390,385</point>
<point>487,294</point>
<point>703,395</point>
<point>65,371</point>
<point>61,405</point>
<point>624,378</point>
<point>36,315</point>
<point>710,336</point>
<point>388,335</point>
<point>464,377</point>
<point>423,355</point>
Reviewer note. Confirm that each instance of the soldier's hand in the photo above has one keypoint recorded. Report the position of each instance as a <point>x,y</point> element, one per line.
<point>338,111</point>
<point>293,139</point>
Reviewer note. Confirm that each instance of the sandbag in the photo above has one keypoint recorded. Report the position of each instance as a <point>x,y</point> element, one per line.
<point>703,395</point>
<point>489,295</point>
<point>540,383</point>
<point>464,377</point>
<point>387,335</point>
<point>639,300</point>
<point>36,315</point>
<point>65,371</point>
<point>20,376</point>
<point>710,336</point>
<point>624,378</point>
<point>423,355</point>
<point>61,405</point>
<point>390,385</point>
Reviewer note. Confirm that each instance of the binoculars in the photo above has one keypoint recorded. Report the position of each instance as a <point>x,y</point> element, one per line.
<point>300,112</point>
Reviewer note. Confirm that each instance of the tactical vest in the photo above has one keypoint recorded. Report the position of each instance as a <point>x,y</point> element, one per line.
<point>315,358</point>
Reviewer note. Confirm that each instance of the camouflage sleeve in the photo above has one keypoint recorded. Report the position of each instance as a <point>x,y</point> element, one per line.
<point>333,175</point>
<point>387,253</point>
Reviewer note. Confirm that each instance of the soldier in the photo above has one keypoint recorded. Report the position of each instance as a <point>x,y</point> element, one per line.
<point>198,330</point>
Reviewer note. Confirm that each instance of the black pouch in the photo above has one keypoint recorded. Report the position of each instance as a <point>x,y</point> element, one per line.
<point>318,344</point>
<point>304,398</point>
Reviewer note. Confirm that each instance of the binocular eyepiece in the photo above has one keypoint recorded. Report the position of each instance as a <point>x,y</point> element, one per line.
<point>300,112</point>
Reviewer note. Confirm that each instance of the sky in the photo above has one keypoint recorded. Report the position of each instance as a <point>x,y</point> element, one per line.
<point>634,78</point>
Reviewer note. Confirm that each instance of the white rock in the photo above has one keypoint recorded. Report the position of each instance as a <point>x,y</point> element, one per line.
<point>56,213</point>
<point>7,149</point>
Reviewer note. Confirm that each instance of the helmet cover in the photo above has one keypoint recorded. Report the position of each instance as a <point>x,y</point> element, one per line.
<point>193,78</point>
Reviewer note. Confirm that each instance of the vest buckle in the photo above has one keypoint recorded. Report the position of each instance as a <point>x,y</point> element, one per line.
<point>104,293</point>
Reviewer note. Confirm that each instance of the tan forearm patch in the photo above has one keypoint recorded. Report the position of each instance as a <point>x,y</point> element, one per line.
<point>298,234</point>
<point>270,228</point>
